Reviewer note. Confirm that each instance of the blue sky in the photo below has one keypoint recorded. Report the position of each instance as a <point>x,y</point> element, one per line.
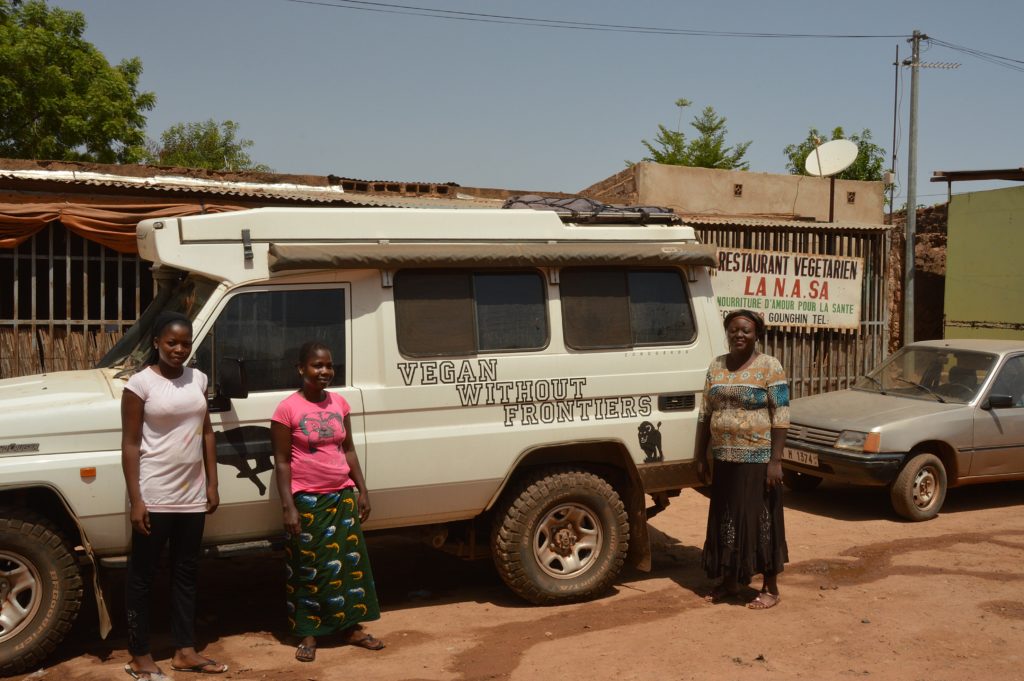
<point>379,95</point>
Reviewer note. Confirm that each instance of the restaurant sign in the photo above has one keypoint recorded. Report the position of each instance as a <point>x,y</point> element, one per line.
<point>791,289</point>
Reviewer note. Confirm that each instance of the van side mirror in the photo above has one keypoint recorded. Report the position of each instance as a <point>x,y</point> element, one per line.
<point>998,402</point>
<point>232,381</point>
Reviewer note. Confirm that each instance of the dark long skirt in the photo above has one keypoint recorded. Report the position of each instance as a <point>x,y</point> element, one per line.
<point>746,534</point>
<point>330,585</point>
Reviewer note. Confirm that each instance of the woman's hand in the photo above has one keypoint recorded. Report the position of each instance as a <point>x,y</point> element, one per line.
<point>291,521</point>
<point>139,516</point>
<point>212,499</point>
<point>703,470</point>
<point>774,474</point>
<point>364,506</point>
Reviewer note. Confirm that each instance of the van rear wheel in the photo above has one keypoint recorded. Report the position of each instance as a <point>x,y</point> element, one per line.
<point>40,589</point>
<point>560,536</point>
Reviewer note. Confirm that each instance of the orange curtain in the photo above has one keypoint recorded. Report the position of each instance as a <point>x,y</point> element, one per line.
<point>110,225</point>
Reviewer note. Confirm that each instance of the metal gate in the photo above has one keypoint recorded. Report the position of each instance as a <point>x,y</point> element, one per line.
<point>65,301</point>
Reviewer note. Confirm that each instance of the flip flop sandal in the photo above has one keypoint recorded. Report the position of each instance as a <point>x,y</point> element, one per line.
<point>145,676</point>
<point>201,668</point>
<point>369,641</point>
<point>304,653</point>
<point>764,600</point>
<point>720,594</point>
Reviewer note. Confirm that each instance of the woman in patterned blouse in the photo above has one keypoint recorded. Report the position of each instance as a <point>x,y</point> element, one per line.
<point>743,421</point>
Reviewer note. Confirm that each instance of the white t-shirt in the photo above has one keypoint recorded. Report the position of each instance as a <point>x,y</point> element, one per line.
<point>171,474</point>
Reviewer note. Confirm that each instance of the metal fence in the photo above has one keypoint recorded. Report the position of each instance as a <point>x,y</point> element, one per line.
<point>821,360</point>
<point>65,301</point>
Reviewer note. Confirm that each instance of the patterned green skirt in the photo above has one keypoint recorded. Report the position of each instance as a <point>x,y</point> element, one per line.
<point>330,585</point>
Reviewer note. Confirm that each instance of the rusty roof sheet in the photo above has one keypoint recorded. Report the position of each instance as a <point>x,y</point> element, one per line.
<point>778,223</point>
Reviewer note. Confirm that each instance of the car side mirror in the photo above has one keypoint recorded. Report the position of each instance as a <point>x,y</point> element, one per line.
<point>232,381</point>
<point>998,402</point>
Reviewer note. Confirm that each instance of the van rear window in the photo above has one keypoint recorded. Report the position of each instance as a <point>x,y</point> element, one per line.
<point>462,312</point>
<point>625,307</point>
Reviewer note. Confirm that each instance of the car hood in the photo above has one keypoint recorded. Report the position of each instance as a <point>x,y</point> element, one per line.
<point>862,410</point>
<point>57,412</point>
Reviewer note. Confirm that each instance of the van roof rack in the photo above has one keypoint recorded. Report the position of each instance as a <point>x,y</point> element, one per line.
<point>583,210</point>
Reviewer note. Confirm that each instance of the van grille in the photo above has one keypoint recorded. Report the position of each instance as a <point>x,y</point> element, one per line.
<point>818,436</point>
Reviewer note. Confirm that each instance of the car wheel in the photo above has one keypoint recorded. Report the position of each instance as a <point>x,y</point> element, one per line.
<point>560,536</point>
<point>40,589</point>
<point>799,482</point>
<point>920,488</point>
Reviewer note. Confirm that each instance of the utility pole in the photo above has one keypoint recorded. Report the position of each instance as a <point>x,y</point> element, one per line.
<point>908,259</point>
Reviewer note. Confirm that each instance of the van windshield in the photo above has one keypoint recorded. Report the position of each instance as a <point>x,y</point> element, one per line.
<point>176,292</point>
<point>931,373</point>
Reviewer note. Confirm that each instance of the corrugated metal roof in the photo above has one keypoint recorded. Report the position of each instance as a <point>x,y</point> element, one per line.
<point>741,221</point>
<point>386,201</point>
<point>327,194</point>
<point>181,183</point>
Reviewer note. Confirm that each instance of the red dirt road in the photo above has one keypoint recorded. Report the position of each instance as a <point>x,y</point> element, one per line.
<point>866,596</point>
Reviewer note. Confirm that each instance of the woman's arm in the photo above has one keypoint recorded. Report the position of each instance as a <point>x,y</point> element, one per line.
<point>355,472</point>
<point>281,440</point>
<point>210,464</point>
<point>774,474</point>
<point>700,452</point>
<point>132,408</point>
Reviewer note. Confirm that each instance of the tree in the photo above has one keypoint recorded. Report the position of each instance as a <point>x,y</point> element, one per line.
<point>870,157</point>
<point>59,96</point>
<point>707,150</point>
<point>206,144</point>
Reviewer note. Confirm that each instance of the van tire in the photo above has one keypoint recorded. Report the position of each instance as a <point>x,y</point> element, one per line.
<point>560,536</point>
<point>39,577</point>
<point>920,488</point>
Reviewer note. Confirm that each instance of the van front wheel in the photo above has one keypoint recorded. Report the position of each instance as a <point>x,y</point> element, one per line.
<point>560,536</point>
<point>40,589</point>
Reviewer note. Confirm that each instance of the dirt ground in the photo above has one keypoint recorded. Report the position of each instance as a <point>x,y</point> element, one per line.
<point>865,596</point>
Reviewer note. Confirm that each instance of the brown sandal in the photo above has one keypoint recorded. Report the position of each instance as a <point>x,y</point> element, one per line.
<point>304,653</point>
<point>764,600</point>
<point>369,641</point>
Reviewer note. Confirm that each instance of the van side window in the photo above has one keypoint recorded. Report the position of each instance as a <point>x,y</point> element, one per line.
<point>267,328</point>
<point>461,312</point>
<point>625,307</point>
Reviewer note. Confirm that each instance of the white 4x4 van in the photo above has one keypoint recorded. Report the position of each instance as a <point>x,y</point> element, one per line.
<point>515,380</point>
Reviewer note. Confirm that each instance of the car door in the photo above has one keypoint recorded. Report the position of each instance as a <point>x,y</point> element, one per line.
<point>263,329</point>
<point>999,433</point>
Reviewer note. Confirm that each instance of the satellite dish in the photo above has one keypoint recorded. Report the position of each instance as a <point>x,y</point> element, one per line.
<point>831,158</point>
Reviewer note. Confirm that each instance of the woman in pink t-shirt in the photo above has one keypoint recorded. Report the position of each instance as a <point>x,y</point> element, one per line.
<point>168,454</point>
<point>324,499</point>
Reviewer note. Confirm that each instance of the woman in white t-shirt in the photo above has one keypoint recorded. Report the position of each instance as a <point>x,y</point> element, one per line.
<point>168,454</point>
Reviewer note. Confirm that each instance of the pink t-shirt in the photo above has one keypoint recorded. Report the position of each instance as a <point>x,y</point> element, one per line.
<point>318,432</point>
<point>171,474</point>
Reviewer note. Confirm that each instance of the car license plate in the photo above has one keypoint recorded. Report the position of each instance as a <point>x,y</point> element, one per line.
<point>800,456</point>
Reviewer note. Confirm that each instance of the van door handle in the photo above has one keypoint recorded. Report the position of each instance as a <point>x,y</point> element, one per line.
<point>677,402</point>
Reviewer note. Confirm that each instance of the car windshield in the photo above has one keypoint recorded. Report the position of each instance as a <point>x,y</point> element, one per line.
<point>176,292</point>
<point>929,373</point>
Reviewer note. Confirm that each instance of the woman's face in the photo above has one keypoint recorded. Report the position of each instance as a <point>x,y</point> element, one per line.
<point>741,333</point>
<point>174,344</point>
<point>318,371</point>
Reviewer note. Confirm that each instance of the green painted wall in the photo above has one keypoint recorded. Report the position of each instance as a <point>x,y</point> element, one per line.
<point>985,265</point>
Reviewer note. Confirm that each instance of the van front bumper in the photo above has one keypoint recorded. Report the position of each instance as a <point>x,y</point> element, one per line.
<point>858,468</point>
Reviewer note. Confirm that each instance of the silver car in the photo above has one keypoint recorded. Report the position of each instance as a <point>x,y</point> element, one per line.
<point>933,415</point>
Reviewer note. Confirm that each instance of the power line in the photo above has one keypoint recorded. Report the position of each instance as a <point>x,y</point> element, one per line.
<point>536,22</point>
<point>998,60</point>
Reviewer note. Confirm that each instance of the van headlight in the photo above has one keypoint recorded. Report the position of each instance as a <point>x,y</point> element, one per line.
<point>858,441</point>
